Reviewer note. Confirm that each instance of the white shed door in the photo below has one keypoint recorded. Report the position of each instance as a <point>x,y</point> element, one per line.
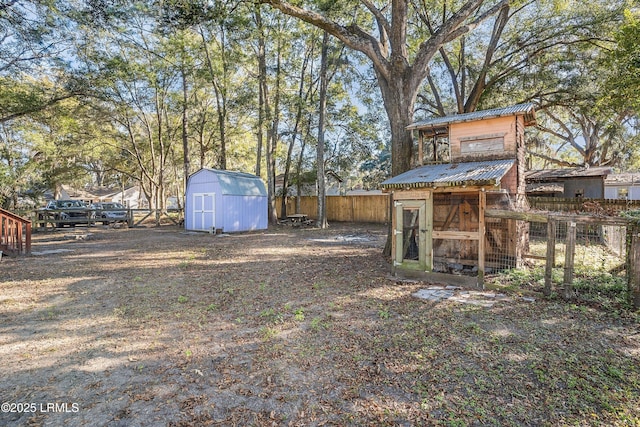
<point>204,214</point>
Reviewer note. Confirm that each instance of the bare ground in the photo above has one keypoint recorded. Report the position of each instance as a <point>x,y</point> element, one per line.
<point>301,327</point>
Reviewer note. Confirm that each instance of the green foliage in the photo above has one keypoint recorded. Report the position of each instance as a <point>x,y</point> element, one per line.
<point>631,214</point>
<point>623,85</point>
<point>134,59</point>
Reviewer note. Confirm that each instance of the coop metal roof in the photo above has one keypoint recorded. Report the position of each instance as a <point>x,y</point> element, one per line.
<point>452,174</point>
<point>527,110</point>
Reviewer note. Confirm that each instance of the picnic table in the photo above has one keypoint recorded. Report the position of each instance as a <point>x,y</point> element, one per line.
<point>299,219</point>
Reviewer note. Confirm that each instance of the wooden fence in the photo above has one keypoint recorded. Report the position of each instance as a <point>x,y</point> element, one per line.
<point>375,208</point>
<point>598,206</point>
<point>367,208</point>
<point>47,220</point>
<point>553,219</point>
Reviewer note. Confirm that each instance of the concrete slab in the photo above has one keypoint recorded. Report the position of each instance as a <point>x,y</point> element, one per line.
<point>457,294</point>
<point>51,252</point>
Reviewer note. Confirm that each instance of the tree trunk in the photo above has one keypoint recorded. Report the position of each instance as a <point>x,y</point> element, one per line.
<point>294,134</point>
<point>220,95</point>
<point>273,136</point>
<point>299,167</point>
<point>324,81</point>
<point>399,101</point>
<point>185,133</point>
<point>259,133</point>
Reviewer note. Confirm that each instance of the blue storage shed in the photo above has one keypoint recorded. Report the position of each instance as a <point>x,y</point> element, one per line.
<point>226,201</point>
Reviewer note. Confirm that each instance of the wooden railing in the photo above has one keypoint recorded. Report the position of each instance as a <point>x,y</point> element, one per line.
<point>50,219</point>
<point>15,233</point>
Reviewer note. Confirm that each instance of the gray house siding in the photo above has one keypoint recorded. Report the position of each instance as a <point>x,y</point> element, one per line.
<point>591,188</point>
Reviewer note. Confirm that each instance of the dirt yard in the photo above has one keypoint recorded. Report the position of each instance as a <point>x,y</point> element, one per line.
<point>290,327</point>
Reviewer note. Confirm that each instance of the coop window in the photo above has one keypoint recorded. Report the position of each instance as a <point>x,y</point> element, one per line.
<point>579,193</point>
<point>410,234</point>
<point>435,148</point>
<point>482,144</point>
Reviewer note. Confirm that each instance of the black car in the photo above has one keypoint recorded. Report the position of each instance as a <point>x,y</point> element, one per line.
<point>71,212</point>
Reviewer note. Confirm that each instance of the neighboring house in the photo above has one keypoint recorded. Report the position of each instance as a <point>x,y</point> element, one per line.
<point>469,162</point>
<point>218,200</point>
<point>87,195</point>
<point>567,182</point>
<point>624,186</point>
<point>134,198</point>
<point>131,197</point>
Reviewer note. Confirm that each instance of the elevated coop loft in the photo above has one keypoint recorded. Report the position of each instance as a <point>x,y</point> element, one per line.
<point>466,163</point>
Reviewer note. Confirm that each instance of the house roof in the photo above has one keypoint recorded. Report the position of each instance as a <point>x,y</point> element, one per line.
<point>452,174</point>
<point>237,183</point>
<point>623,179</point>
<point>545,175</point>
<point>88,193</point>
<point>543,188</point>
<point>525,110</point>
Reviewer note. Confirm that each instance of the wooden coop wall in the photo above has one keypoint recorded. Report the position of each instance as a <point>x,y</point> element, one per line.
<point>456,216</point>
<point>489,139</point>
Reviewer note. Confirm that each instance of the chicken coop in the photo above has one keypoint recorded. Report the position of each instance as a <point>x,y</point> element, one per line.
<point>465,164</point>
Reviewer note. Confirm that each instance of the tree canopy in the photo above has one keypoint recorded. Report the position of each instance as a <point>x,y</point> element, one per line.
<point>107,92</point>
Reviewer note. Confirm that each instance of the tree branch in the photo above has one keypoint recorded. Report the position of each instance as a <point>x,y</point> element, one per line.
<point>439,37</point>
<point>383,24</point>
<point>353,36</point>
<point>554,160</point>
<point>37,108</point>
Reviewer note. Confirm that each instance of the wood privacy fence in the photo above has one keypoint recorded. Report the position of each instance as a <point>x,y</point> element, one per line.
<point>599,206</point>
<point>375,208</point>
<point>368,208</point>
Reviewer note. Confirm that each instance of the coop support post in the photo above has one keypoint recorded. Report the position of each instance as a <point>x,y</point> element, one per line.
<point>633,255</point>
<point>551,256</point>
<point>482,202</point>
<point>569,258</point>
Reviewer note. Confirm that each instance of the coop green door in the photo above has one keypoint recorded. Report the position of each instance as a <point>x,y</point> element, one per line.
<point>412,235</point>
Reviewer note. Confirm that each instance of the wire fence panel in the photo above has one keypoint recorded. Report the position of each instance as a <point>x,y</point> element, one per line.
<point>583,260</point>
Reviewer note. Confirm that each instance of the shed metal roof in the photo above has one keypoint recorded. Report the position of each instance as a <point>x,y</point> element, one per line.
<point>546,175</point>
<point>237,183</point>
<point>622,179</point>
<point>544,187</point>
<point>452,174</point>
<point>526,110</point>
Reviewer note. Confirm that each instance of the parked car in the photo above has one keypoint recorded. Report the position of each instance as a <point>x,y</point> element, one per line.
<point>109,212</point>
<point>67,212</point>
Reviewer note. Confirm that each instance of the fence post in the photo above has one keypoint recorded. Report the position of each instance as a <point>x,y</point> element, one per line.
<point>28,238</point>
<point>570,251</point>
<point>551,255</point>
<point>633,255</point>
